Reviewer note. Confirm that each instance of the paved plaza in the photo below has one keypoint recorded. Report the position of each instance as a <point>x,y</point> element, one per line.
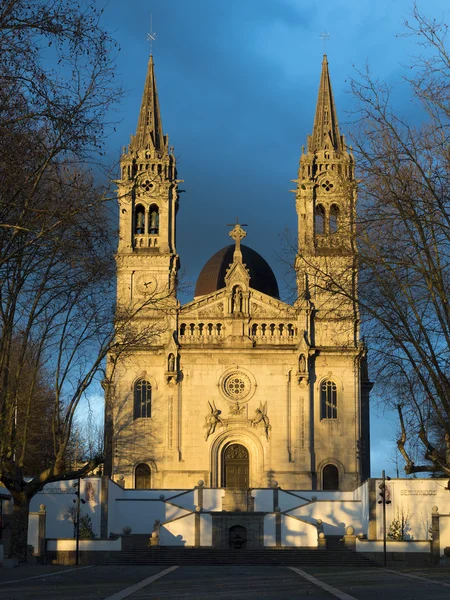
<point>222,582</point>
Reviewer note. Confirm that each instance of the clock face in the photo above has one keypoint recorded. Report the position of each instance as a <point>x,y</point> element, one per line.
<point>146,283</point>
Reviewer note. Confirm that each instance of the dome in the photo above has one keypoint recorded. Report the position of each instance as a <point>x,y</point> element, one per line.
<point>212,276</point>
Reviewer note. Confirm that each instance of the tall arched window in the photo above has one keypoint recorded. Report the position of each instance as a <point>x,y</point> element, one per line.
<point>142,477</point>
<point>328,400</point>
<point>153,222</point>
<point>334,218</point>
<point>330,478</point>
<point>319,218</point>
<point>142,399</point>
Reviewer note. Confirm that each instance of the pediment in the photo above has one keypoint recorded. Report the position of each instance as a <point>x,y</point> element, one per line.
<point>210,306</point>
<point>263,306</point>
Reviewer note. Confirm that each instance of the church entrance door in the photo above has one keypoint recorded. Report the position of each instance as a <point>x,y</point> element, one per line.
<point>236,467</point>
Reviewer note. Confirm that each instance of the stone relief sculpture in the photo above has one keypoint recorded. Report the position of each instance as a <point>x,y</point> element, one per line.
<point>171,363</point>
<point>212,420</point>
<point>261,419</point>
<point>236,410</point>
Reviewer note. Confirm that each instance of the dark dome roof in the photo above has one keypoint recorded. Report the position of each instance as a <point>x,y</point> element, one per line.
<point>212,276</point>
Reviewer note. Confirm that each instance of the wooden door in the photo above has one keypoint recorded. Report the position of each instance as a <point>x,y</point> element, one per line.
<point>236,467</point>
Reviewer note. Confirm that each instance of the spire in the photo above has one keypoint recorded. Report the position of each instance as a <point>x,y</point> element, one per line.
<point>149,132</point>
<point>325,134</point>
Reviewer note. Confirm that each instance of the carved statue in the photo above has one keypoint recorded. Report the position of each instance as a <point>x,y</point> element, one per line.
<point>237,300</point>
<point>171,363</point>
<point>212,420</point>
<point>261,418</point>
<point>302,364</point>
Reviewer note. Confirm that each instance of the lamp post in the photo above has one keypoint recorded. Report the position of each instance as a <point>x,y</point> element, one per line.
<point>78,502</point>
<point>384,501</point>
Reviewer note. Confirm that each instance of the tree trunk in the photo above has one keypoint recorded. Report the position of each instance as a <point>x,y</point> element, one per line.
<point>19,527</point>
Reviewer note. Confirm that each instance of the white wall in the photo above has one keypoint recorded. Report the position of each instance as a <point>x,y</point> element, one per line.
<point>336,515</point>
<point>263,500</point>
<point>297,533</point>
<point>95,545</point>
<point>115,492</point>
<point>363,495</point>
<point>444,531</point>
<point>212,499</point>
<point>269,530</point>
<point>58,497</point>
<point>405,546</point>
<point>414,499</point>
<point>205,530</point>
<point>179,533</point>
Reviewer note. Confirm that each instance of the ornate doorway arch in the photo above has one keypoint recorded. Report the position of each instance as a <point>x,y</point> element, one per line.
<point>236,467</point>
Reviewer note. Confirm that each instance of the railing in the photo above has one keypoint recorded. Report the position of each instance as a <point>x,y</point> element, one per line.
<point>146,241</point>
<point>261,333</point>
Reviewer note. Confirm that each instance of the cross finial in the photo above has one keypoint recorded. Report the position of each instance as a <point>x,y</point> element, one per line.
<point>324,36</point>
<point>151,37</point>
<point>237,233</point>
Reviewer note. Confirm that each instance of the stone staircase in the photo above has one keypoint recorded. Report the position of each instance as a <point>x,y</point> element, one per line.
<point>165,555</point>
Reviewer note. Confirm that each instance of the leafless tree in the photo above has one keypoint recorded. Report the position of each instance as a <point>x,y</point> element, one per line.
<point>403,243</point>
<point>58,319</point>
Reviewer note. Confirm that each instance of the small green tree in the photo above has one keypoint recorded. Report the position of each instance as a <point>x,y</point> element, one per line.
<point>400,527</point>
<point>86,527</point>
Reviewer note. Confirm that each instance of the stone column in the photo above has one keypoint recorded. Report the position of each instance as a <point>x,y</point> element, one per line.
<point>198,511</point>
<point>372,530</point>
<point>41,533</point>
<point>435,542</point>
<point>104,505</point>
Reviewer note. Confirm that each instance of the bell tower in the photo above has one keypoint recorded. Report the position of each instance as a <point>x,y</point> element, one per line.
<point>325,204</point>
<point>147,259</point>
<point>327,279</point>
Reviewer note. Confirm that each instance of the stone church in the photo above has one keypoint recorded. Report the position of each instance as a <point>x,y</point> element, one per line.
<point>238,388</point>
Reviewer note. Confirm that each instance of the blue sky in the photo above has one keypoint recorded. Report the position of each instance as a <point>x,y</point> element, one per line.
<point>237,82</point>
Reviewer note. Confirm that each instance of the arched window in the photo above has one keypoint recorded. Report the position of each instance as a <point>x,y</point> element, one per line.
<point>153,222</point>
<point>142,477</point>
<point>334,218</point>
<point>139,219</point>
<point>330,478</point>
<point>142,399</point>
<point>319,218</point>
<point>328,400</point>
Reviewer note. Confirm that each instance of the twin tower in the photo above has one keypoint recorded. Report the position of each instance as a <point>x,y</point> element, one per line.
<point>237,388</point>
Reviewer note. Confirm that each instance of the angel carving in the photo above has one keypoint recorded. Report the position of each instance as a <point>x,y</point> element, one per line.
<point>261,418</point>
<point>212,420</point>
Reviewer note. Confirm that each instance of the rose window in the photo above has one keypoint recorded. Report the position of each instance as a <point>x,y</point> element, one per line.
<point>236,386</point>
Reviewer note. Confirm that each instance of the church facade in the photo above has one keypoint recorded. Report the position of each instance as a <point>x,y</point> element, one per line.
<point>237,388</point>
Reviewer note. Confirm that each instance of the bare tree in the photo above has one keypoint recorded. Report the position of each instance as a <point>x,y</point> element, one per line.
<point>58,319</point>
<point>403,244</point>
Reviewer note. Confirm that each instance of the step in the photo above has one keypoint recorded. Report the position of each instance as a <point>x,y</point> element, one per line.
<point>205,556</point>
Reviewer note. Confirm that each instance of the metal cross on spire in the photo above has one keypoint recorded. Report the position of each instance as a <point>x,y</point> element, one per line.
<point>237,233</point>
<point>324,36</point>
<point>151,37</point>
